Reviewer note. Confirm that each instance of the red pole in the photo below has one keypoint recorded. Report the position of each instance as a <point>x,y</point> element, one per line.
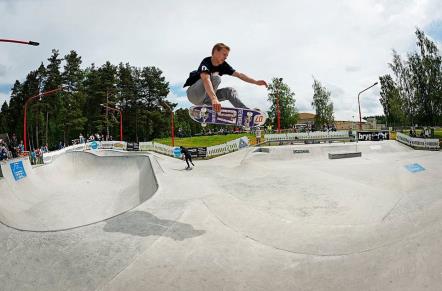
<point>173,129</point>
<point>360,118</point>
<point>121,125</point>
<point>30,42</point>
<point>25,110</point>
<point>24,126</point>
<point>277,107</point>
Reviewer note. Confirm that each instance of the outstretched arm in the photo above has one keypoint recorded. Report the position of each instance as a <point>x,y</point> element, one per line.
<point>247,79</point>
<point>210,91</point>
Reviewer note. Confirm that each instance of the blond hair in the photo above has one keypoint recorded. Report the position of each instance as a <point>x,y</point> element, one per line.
<point>219,46</point>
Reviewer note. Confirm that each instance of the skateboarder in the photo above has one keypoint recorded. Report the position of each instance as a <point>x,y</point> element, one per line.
<point>187,156</point>
<point>204,82</point>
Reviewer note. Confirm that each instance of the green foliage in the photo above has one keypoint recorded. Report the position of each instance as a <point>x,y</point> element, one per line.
<point>279,91</point>
<point>322,104</point>
<point>414,95</point>
<point>139,92</point>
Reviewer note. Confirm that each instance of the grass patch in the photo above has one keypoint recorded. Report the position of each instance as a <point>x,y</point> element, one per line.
<point>205,141</point>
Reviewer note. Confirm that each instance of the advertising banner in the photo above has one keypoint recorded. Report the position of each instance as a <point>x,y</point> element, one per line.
<point>373,135</point>
<point>18,170</point>
<point>200,152</point>
<point>132,146</point>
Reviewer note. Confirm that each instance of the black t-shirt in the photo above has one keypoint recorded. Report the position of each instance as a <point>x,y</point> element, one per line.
<point>207,66</point>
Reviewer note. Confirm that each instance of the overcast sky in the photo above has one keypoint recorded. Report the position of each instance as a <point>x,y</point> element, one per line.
<point>346,44</point>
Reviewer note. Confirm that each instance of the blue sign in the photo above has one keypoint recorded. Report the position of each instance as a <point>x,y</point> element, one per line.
<point>176,152</point>
<point>94,145</point>
<point>18,170</point>
<point>415,168</point>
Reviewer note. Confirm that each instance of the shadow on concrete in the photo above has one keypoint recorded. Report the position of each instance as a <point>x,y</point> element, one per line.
<point>144,224</point>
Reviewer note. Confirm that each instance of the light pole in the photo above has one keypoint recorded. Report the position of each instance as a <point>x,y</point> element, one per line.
<point>359,104</point>
<point>29,42</point>
<point>26,106</point>
<point>121,118</point>
<point>278,113</point>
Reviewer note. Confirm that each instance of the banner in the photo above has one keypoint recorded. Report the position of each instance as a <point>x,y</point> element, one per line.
<point>373,135</point>
<point>18,170</point>
<point>132,146</point>
<point>200,152</point>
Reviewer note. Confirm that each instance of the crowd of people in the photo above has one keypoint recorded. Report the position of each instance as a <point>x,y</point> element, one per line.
<point>10,149</point>
<point>92,137</point>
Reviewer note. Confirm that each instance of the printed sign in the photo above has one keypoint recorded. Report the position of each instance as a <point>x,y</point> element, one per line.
<point>414,168</point>
<point>373,135</point>
<point>176,152</point>
<point>200,152</point>
<point>18,171</point>
<point>301,151</point>
<point>119,146</point>
<point>243,142</point>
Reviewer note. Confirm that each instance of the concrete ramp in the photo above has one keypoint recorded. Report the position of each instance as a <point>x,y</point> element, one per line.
<point>74,190</point>
<point>322,151</point>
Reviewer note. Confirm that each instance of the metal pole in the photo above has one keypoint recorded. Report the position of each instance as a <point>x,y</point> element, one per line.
<point>359,104</point>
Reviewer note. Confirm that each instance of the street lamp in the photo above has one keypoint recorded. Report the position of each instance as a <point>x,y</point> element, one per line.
<point>29,42</point>
<point>26,106</point>
<point>121,118</point>
<point>278,113</point>
<point>360,118</point>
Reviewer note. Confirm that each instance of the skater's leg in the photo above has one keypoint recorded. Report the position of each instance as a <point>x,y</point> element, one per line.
<point>197,93</point>
<point>230,94</point>
<point>187,161</point>
<point>190,159</point>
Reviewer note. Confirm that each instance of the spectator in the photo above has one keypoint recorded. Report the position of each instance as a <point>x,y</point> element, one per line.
<point>60,145</point>
<point>258,135</point>
<point>21,147</point>
<point>81,137</point>
<point>33,157</point>
<point>44,149</point>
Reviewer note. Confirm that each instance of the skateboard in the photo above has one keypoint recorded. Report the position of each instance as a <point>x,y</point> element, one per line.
<point>243,117</point>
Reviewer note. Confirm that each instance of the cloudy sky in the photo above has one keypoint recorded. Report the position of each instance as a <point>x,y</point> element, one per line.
<point>345,44</point>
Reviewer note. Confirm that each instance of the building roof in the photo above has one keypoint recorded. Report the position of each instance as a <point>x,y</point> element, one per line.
<point>306,115</point>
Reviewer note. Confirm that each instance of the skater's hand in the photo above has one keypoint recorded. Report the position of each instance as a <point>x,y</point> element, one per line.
<point>261,83</point>
<point>216,105</point>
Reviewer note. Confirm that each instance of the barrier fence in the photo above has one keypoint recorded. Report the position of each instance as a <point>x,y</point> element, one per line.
<point>419,143</point>
<point>306,135</point>
<point>221,149</point>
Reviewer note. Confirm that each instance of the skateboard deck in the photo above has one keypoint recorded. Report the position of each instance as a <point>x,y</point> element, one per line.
<point>243,117</point>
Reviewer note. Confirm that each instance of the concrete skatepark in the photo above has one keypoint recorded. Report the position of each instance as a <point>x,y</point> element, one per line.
<point>271,218</point>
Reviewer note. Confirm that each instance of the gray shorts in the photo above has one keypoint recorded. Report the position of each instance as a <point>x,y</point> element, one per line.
<point>197,93</point>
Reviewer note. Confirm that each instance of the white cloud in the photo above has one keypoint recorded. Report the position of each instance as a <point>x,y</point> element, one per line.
<point>345,43</point>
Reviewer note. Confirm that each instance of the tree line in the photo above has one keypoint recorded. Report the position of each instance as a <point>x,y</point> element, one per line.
<point>412,94</point>
<point>60,117</point>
